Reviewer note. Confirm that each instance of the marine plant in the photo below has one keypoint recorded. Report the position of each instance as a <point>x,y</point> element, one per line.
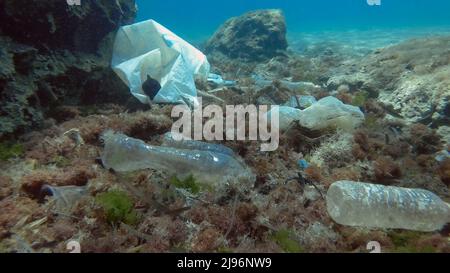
<point>407,242</point>
<point>444,171</point>
<point>359,99</point>
<point>285,238</point>
<point>9,150</point>
<point>190,184</point>
<point>118,207</point>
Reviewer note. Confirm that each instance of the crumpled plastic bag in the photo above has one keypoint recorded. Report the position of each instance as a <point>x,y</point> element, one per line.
<point>331,112</point>
<point>327,113</point>
<point>149,49</point>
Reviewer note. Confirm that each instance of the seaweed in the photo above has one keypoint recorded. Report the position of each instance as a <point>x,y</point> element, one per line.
<point>118,207</point>
<point>285,239</point>
<point>190,184</point>
<point>371,121</point>
<point>10,150</point>
<point>407,242</point>
<point>359,99</point>
<point>60,161</point>
<point>444,171</point>
<point>386,170</point>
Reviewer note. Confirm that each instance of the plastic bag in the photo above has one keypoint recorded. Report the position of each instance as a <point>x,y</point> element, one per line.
<point>219,81</point>
<point>149,49</point>
<point>327,113</point>
<point>330,112</point>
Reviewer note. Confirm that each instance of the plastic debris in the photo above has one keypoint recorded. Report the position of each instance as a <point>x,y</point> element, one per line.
<point>75,135</point>
<point>442,156</point>
<point>287,115</point>
<point>303,164</point>
<point>301,102</point>
<point>148,49</point>
<point>377,206</point>
<point>308,87</point>
<point>206,164</point>
<point>64,197</point>
<point>327,113</point>
<point>331,112</point>
<point>177,141</point>
<point>217,80</point>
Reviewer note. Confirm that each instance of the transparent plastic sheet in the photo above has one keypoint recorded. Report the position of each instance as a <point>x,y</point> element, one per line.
<point>149,49</point>
<point>64,198</point>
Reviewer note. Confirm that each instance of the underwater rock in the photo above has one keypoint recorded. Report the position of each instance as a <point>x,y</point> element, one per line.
<point>255,36</point>
<point>444,133</point>
<point>63,61</point>
<point>411,79</point>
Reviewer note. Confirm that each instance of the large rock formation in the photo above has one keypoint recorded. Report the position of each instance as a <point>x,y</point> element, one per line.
<point>256,35</point>
<point>54,54</point>
<point>412,79</point>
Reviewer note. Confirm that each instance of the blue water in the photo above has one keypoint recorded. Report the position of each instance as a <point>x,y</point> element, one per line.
<point>196,20</point>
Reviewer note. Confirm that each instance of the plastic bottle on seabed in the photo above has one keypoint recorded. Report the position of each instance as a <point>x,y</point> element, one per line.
<point>171,140</point>
<point>377,206</point>
<point>124,154</point>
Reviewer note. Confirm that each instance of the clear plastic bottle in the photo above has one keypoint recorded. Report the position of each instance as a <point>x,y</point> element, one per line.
<point>170,141</point>
<point>377,206</point>
<point>124,154</point>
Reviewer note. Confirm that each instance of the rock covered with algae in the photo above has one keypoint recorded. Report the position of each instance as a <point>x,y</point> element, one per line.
<point>255,35</point>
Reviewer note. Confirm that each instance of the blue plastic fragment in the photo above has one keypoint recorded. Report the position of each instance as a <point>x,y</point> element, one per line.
<point>302,164</point>
<point>443,155</point>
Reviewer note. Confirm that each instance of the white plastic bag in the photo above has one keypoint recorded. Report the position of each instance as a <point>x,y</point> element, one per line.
<point>148,48</point>
<point>328,112</point>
